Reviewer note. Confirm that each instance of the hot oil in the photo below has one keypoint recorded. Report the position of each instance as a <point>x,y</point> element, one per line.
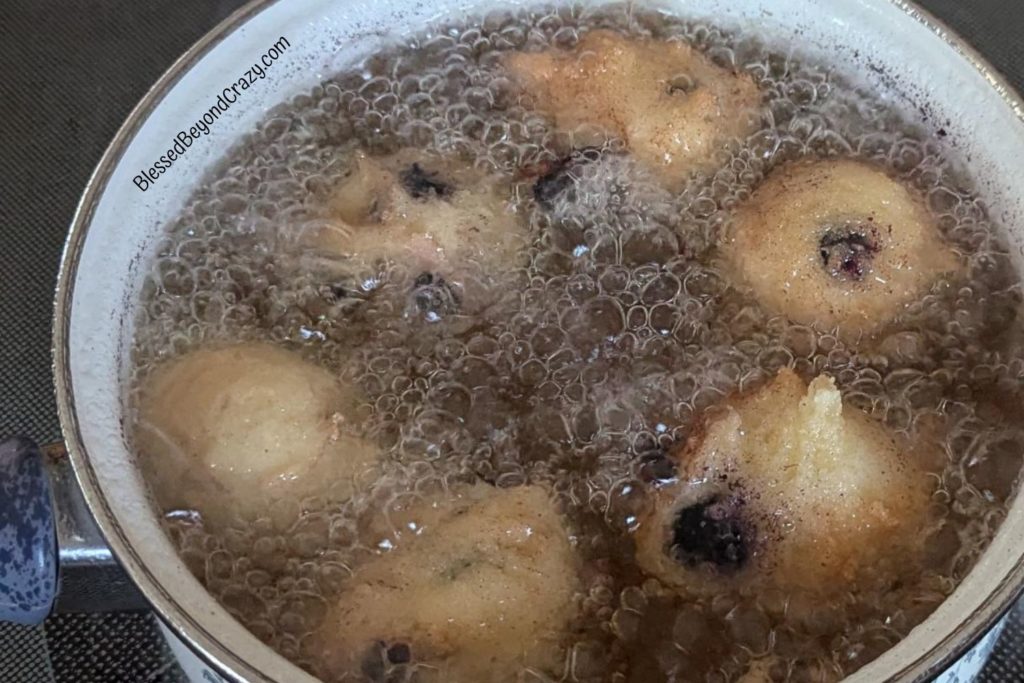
<point>619,328</point>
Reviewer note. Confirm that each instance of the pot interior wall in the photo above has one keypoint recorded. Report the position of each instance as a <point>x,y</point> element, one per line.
<point>873,40</point>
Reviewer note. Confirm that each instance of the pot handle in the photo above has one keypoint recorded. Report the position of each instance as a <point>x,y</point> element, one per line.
<point>28,535</point>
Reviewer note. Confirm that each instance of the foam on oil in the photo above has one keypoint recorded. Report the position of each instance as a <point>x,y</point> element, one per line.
<point>618,330</point>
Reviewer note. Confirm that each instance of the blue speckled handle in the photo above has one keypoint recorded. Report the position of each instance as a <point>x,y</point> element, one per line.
<point>28,536</point>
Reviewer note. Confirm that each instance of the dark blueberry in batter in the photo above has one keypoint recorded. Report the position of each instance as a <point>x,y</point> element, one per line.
<point>399,653</point>
<point>433,297</point>
<point>847,252</point>
<point>557,177</point>
<point>423,185</point>
<point>681,84</point>
<point>712,531</point>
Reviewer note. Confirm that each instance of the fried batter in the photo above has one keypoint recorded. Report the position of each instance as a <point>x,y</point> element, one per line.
<point>248,424</point>
<point>837,244</point>
<point>672,106</point>
<point>481,588</point>
<point>787,487</point>
<point>431,215</point>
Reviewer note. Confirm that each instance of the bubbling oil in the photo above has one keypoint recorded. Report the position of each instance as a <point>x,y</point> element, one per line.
<point>618,330</point>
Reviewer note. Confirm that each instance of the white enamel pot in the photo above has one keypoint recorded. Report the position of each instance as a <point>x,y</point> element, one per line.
<point>882,42</point>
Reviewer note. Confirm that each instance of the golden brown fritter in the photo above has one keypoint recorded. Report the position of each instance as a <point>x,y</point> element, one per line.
<point>672,106</point>
<point>786,487</point>
<point>837,244</point>
<point>246,424</point>
<point>482,587</point>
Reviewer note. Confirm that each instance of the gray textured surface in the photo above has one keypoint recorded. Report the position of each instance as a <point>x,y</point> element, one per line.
<point>71,72</point>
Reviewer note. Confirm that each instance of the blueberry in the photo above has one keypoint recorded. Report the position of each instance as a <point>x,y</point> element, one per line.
<point>423,185</point>
<point>712,531</point>
<point>399,653</point>
<point>847,251</point>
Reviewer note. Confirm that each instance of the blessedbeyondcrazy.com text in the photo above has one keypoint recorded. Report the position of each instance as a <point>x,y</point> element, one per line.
<point>201,128</point>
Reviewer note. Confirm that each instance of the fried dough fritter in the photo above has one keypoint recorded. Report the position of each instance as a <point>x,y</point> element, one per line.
<point>837,244</point>
<point>248,424</point>
<point>787,488</point>
<point>483,587</point>
<point>434,216</point>
<point>671,105</point>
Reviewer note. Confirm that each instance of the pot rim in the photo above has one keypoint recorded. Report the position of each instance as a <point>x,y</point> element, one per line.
<point>208,646</point>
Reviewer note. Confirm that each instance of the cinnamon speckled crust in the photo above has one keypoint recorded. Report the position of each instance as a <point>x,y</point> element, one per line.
<point>672,106</point>
<point>243,425</point>
<point>428,214</point>
<point>837,244</point>
<point>481,588</point>
<point>822,497</point>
